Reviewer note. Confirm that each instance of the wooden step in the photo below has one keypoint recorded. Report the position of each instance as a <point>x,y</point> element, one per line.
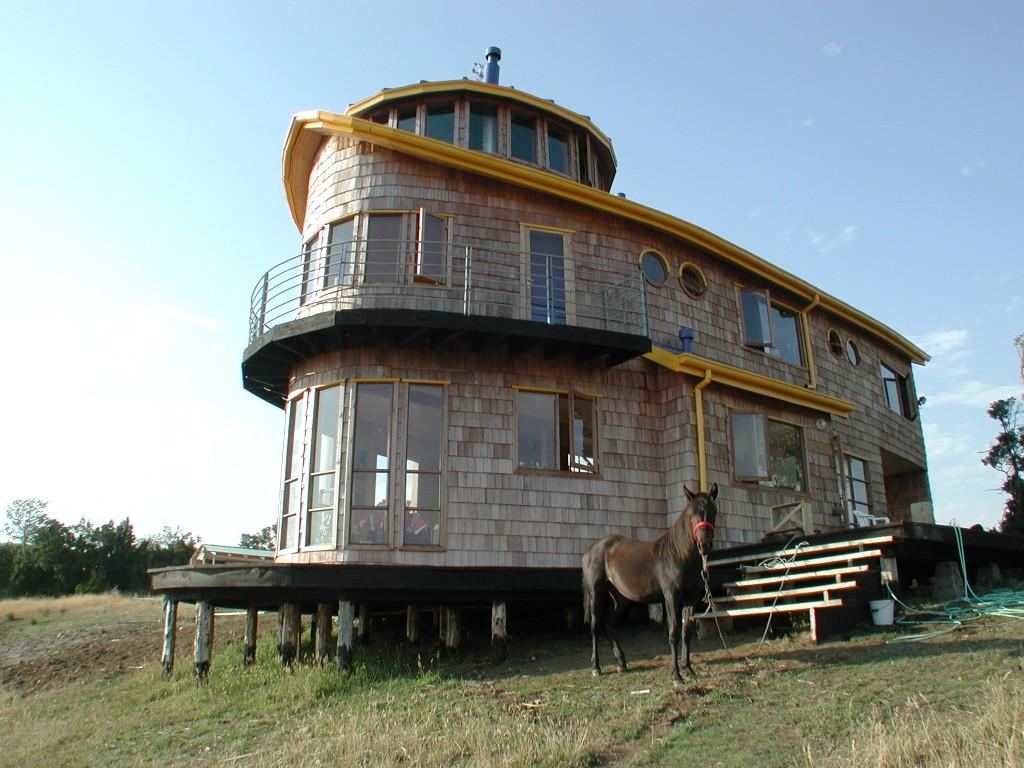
<point>813,562</point>
<point>783,594</point>
<point>809,550</point>
<point>798,576</point>
<point>764,610</point>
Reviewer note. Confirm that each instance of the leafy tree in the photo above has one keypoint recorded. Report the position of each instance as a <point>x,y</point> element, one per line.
<point>8,557</point>
<point>1007,455</point>
<point>49,566</point>
<point>172,546</point>
<point>265,538</point>
<point>24,517</point>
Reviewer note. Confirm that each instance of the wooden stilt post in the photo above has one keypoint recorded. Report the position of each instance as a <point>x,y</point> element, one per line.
<point>451,629</point>
<point>324,620</point>
<point>203,650</point>
<point>252,615</point>
<point>346,619</point>
<point>363,635</point>
<point>412,624</point>
<point>288,641</point>
<point>170,627</point>
<point>499,632</point>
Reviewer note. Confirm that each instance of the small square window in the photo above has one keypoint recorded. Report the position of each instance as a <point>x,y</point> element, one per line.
<point>524,138</point>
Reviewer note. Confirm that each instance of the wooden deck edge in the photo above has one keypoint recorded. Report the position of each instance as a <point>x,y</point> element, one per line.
<point>800,576</point>
<point>813,549</point>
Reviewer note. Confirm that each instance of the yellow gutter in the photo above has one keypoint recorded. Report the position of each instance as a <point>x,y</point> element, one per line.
<point>307,128</point>
<point>698,412</point>
<point>747,381</point>
<point>812,376</point>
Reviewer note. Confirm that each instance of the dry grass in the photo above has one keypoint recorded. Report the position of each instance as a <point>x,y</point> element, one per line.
<point>39,607</point>
<point>983,733</point>
<point>32,616</point>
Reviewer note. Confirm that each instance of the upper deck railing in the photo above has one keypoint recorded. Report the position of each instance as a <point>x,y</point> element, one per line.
<point>600,293</point>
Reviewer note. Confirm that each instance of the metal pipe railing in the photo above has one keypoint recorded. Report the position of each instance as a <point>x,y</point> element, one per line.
<point>605,292</point>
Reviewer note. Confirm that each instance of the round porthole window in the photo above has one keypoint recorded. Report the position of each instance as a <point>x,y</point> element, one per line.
<point>835,342</point>
<point>852,353</point>
<point>653,265</point>
<point>692,278</point>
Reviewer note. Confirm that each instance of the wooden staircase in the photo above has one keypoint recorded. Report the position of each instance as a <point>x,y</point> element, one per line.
<point>830,581</point>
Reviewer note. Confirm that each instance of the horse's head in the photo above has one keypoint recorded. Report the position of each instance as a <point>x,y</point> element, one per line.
<point>700,516</point>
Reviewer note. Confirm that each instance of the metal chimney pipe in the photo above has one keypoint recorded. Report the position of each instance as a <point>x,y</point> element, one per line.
<point>492,71</point>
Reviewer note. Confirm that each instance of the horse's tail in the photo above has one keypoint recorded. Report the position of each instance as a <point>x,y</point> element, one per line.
<point>593,575</point>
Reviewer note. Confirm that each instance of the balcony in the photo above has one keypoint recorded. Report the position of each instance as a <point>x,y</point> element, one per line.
<point>404,292</point>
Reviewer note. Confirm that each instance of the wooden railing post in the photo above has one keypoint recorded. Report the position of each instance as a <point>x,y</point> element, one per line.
<point>170,627</point>
<point>203,650</point>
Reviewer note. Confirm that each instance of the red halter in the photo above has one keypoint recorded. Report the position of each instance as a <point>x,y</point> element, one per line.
<point>702,524</point>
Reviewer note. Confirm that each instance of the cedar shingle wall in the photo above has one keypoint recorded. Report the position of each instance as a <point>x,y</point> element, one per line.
<point>647,440</point>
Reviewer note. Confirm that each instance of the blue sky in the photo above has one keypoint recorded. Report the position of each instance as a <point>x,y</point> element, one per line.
<point>871,149</point>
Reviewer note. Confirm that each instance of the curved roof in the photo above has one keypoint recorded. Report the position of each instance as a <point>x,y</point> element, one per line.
<point>309,128</point>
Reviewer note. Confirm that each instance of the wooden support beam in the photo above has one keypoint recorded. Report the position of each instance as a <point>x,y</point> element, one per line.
<point>252,616</point>
<point>346,618</point>
<point>451,629</point>
<point>203,649</point>
<point>288,639</point>
<point>499,632</point>
<point>412,624</point>
<point>363,633</point>
<point>170,627</point>
<point>324,619</point>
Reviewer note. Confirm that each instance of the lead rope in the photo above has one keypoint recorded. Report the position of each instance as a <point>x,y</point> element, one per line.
<point>708,598</point>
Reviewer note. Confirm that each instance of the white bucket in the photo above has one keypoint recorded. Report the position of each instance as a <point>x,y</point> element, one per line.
<point>881,612</point>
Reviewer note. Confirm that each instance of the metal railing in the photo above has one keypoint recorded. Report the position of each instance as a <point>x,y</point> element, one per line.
<point>604,293</point>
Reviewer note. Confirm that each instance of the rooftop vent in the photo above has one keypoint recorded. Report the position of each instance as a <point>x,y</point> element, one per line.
<point>492,70</point>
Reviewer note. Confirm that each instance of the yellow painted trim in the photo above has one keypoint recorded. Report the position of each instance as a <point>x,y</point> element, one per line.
<point>698,409</point>
<point>542,390</point>
<point>661,257</point>
<point>429,382</point>
<point>747,381</point>
<point>703,277</point>
<point>482,89</point>
<point>308,128</point>
<point>375,381</point>
<point>546,228</point>
<point>812,376</point>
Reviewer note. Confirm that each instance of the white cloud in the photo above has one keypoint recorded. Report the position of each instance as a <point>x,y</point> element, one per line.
<point>827,244</point>
<point>973,393</point>
<point>972,166</point>
<point>831,50</point>
<point>941,444</point>
<point>938,343</point>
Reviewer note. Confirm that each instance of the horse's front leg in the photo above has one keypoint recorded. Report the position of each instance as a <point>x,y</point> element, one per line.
<point>672,619</point>
<point>689,626</point>
<point>620,607</point>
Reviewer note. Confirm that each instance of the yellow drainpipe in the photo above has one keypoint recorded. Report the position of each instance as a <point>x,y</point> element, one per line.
<point>698,408</point>
<point>812,378</point>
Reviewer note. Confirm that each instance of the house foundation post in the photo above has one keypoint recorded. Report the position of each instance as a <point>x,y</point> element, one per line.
<point>288,638</point>
<point>203,649</point>
<point>252,615</point>
<point>324,619</point>
<point>499,632</point>
<point>412,624</point>
<point>346,619</point>
<point>170,627</point>
<point>363,631</point>
<point>451,629</point>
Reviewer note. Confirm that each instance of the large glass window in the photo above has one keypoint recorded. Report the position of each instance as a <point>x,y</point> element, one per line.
<point>583,156</point>
<point>322,470</point>
<point>424,443</point>
<point>558,149</point>
<point>384,247</point>
<point>768,451</point>
<point>407,119</point>
<point>339,264</point>
<point>897,391</point>
<point>857,492</point>
<point>556,431</point>
<point>547,277</point>
<point>524,138</point>
<point>483,128</point>
<point>293,460</point>
<point>757,324</point>
<point>308,270</point>
<point>371,451</point>
<point>787,336</point>
<point>441,122</point>
<point>432,253</point>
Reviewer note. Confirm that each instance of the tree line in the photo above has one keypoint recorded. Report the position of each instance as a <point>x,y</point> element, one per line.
<point>46,557</point>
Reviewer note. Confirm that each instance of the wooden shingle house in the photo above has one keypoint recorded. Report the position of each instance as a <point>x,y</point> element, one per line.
<point>485,360</point>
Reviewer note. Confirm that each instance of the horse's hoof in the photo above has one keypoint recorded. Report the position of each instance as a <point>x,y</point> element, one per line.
<point>623,669</point>
<point>678,683</point>
<point>595,672</point>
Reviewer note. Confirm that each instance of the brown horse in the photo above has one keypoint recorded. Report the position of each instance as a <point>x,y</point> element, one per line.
<point>621,570</point>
